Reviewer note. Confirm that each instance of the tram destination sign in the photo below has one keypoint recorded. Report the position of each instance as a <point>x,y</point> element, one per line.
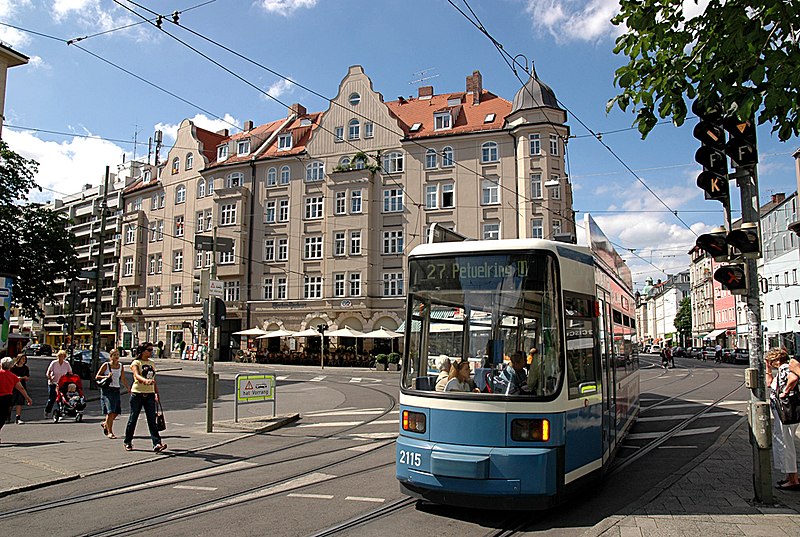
<point>475,271</point>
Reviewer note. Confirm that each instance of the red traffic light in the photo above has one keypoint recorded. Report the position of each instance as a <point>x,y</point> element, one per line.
<point>733,278</point>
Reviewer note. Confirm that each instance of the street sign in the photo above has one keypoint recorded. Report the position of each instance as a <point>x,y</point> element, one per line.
<point>88,275</point>
<point>206,243</point>
<point>215,288</point>
<point>255,387</point>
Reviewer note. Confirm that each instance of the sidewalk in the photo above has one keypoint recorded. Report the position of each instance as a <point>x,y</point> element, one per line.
<point>711,495</point>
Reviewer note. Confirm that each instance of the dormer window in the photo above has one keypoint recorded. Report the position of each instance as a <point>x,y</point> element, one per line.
<point>284,142</point>
<point>147,176</point>
<point>442,121</point>
<point>305,122</point>
<point>243,147</point>
<point>489,118</point>
<point>222,152</point>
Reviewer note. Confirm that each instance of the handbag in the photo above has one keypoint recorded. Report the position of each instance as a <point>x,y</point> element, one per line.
<point>104,382</point>
<point>787,408</point>
<point>161,423</point>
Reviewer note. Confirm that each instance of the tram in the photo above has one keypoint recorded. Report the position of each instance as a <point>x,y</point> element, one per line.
<point>517,433</point>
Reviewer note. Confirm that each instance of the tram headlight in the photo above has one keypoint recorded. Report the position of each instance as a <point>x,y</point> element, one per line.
<point>413,421</point>
<point>530,430</point>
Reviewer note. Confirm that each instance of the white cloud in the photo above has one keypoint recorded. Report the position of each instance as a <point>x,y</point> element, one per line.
<point>36,62</point>
<point>64,167</point>
<point>170,130</point>
<point>285,7</point>
<point>95,16</point>
<point>574,20</point>
<point>13,37</point>
<point>279,89</point>
<point>11,7</point>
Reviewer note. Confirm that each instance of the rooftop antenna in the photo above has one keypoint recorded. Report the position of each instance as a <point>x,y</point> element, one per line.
<point>422,76</point>
<point>136,131</point>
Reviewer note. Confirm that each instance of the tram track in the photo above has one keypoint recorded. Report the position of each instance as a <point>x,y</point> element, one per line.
<point>236,467</point>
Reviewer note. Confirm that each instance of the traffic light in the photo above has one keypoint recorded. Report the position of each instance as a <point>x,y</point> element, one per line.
<point>715,243</point>
<point>711,155</point>
<point>746,240</point>
<point>741,146</point>
<point>733,278</point>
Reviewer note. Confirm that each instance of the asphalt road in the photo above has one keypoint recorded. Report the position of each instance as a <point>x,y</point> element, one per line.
<point>337,463</point>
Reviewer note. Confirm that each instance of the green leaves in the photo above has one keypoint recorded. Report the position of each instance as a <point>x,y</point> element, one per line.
<point>745,56</point>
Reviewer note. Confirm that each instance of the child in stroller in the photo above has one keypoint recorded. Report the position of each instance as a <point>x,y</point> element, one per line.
<point>69,398</point>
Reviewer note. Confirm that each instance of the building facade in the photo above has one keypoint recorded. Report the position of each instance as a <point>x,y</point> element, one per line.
<point>322,207</point>
<point>701,271</point>
<point>658,304</point>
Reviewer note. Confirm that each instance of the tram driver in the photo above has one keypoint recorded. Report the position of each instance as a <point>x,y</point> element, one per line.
<point>515,375</point>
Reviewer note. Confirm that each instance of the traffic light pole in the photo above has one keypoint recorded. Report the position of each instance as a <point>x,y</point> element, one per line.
<point>758,408</point>
<point>212,340</point>
<point>98,282</point>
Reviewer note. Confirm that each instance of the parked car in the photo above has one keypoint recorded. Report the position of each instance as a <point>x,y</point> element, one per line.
<point>741,356</point>
<point>655,349</point>
<point>81,362</point>
<point>709,353</point>
<point>44,350</point>
<point>32,349</point>
<point>679,352</point>
<point>695,352</point>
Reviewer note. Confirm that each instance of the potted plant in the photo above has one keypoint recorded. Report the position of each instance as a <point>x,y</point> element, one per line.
<point>381,362</point>
<point>394,361</point>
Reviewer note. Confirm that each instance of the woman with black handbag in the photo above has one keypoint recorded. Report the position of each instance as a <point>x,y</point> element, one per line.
<point>783,387</point>
<point>109,377</point>
<point>144,394</point>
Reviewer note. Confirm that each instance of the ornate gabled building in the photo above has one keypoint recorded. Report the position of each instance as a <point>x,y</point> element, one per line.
<point>322,207</point>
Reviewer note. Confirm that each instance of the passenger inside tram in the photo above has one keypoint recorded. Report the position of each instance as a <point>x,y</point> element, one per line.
<point>444,366</point>
<point>459,378</point>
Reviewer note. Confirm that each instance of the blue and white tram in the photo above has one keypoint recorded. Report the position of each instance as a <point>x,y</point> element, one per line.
<point>519,437</point>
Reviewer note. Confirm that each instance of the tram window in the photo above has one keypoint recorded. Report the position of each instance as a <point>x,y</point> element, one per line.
<point>581,343</point>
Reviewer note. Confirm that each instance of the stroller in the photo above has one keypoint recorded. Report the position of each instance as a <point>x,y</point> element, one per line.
<point>69,398</point>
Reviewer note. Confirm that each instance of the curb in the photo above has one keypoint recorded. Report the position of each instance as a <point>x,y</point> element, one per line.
<point>252,424</point>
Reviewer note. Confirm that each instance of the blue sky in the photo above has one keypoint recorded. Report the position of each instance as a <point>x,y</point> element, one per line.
<point>67,90</point>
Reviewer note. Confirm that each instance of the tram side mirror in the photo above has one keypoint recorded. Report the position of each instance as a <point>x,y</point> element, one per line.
<point>587,388</point>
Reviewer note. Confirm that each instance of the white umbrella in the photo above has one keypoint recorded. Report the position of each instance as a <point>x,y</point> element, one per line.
<point>308,332</point>
<point>250,332</point>
<point>281,332</point>
<point>344,332</point>
<point>382,333</point>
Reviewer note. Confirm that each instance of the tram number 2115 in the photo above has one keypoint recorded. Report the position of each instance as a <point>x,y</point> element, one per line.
<point>410,458</point>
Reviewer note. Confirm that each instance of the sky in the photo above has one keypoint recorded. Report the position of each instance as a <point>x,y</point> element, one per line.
<point>76,110</point>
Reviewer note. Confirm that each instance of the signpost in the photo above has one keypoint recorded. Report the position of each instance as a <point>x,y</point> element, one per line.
<point>252,388</point>
<point>215,288</point>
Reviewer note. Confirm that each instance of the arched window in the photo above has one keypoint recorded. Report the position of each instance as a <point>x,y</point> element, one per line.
<point>447,156</point>
<point>431,159</point>
<point>201,188</point>
<point>353,129</point>
<point>210,189</point>
<point>286,175</point>
<point>189,161</point>
<point>272,177</point>
<point>344,163</point>
<point>176,164</point>
<point>489,152</point>
<point>315,171</point>
<point>180,194</point>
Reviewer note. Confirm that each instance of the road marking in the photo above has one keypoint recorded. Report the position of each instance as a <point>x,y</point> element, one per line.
<point>355,379</point>
<point>312,496</point>
<point>269,491</point>
<point>193,487</point>
<point>282,377</point>
<point>315,412</point>
<point>681,405</point>
<point>176,423</point>
<point>318,379</point>
<point>687,416</point>
<point>330,424</point>
<point>685,432</point>
<point>733,402</point>
<point>374,436</point>
<point>677,447</point>
<point>365,499</point>
<point>352,413</point>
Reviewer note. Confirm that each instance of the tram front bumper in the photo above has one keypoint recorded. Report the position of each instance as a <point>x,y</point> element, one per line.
<point>478,470</point>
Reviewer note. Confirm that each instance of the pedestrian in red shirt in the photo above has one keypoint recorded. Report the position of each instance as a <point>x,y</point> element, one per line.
<point>8,383</point>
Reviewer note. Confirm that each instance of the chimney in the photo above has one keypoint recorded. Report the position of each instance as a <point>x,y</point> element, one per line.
<point>223,132</point>
<point>248,125</point>
<point>297,109</point>
<point>778,197</point>
<point>475,86</point>
<point>425,92</point>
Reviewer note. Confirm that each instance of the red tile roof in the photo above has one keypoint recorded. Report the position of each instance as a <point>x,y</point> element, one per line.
<point>467,117</point>
<point>210,141</point>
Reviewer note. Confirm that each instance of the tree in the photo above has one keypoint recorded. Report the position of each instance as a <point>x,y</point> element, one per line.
<point>742,55</point>
<point>36,247</point>
<point>683,319</point>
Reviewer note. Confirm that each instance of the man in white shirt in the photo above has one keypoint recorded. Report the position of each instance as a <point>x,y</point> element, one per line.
<point>57,369</point>
<point>718,353</point>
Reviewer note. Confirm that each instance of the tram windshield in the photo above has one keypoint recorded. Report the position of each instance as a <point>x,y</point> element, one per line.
<point>485,324</point>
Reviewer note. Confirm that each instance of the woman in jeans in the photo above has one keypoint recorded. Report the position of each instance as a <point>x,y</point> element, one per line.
<point>109,394</point>
<point>144,393</point>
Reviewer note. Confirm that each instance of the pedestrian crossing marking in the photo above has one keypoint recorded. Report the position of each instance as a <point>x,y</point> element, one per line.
<point>194,487</point>
<point>314,412</point>
<point>355,379</point>
<point>311,496</point>
<point>677,447</point>
<point>318,379</point>
<point>687,416</point>
<point>685,432</point>
<point>330,424</point>
<point>374,436</point>
<point>281,377</point>
<point>365,499</point>
<point>325,413</point>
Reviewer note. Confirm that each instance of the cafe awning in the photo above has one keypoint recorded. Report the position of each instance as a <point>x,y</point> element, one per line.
<point>714,334</point>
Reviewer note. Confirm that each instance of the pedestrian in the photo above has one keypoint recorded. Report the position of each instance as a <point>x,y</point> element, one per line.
<point>669,355</point>
<point>57,369</point>
<point>144,394</point>
<point>718,353</point>
<point>20,369</point>
<point>9,382</point>
<point>664,357</point>
<point>784,454</point>
<point>109,394</point>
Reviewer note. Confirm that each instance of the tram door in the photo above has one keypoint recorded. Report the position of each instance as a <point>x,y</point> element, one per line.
<point>607,364</point>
